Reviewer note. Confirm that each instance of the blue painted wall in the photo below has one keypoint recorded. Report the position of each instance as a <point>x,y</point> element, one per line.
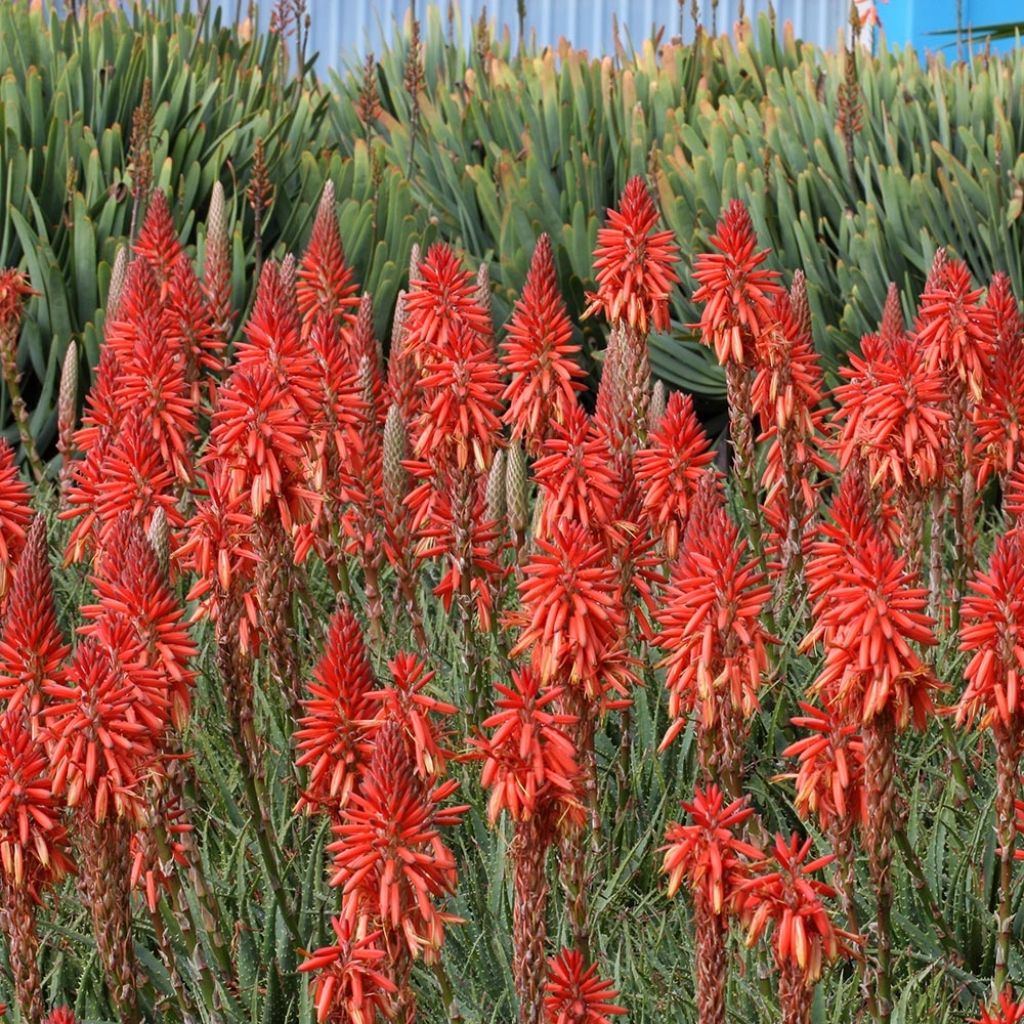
<point>913,21</point>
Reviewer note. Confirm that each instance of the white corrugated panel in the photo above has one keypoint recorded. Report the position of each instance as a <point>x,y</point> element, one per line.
<point>343,29</point>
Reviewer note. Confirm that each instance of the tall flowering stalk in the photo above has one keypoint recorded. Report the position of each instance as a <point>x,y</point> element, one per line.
<point>872,623</point>
<point>33,851</point>
<point>538,355</point>
<point>716,648</point>
<point>713,861</point>
<point>782,897</point>
<point>738,295</point>
<point>992,622</point>
<point>531,771</point>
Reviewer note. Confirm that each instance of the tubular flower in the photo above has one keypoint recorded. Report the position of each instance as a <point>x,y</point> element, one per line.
<point>576,994</point>
<point>33,843</point>
<point>538,354</point>
<point>634,264</point>
<point>999,414</point>
<point>406,704</point>
<point>873,613</point>
<point>441,303</point>
<point>158,241</point>
<point>352,984</point>
<point>1013,495</point>
<point>992,627</point>
<point>61,1015</point>
<point>151,869</point>
<point>737,296</point>
<point>893,415</point>
<point>1004,1011</point>
<point>132,590</point>
<point>15,515</point>
<point>830,774</point>
<point>576,474</point>
<point>389,858</point>
<point>707,854</point>
<point>670,467</point>
<point>782,894</point>
<point>710,626</point>
<point>332,736</point>
<point>955,329</point>
<point>103,414</point>
<point>140,302</point>
<point>324,282</point>
<point>103,731</point>
<point>461,404</point>
<point>529,759</point>
<point>32,648</point>
<point>572,613</point>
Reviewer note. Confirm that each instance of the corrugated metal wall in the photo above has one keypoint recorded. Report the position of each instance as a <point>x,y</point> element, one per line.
<point>343,29</point>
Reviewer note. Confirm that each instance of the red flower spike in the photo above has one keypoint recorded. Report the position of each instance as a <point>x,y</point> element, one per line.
<point>894,416</point>
<point>33,842</point>
<point>351,982</point>
<point>670,467</point>
<point>140,301</point>
<point>389,858</point>
<point>103,413</point>
<point>132,591</point>
<point>737,295</point>
<point>461,390</point>
<point>781,894</point>
<point>14,290</point>
<point>1013,495</point>
<point>102,724</point>
<point>332,739</point>
<point>1006,1010</point>
<point>706,853</point>
<point>634,264</point>
<point>955,330</point>
<point>576,474</point>
<point>406,703</point>
<point>991,628</point>
<point>999,414</point>
<point>32,648</point>
<point>829,779</point>
<point>710,621</point>
<point>440,304</point>
<point>324,282</point>
<point>572,613</point>
<point>150,872</point>
<point>15,515</point>
<point>189,324</point>
<point>158,241</point>
<point>529,759</point>
<point>575,994</point>
<point>538,354</point>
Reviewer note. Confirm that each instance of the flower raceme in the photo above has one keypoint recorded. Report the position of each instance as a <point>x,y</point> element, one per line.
<point>781,894</point>
<point>352,982</point>
<point>331,738</point>
<point>33,842</point>
<point>15,515</point>
<point>634,264</point>
<point>572,614</point>
<point>992,624</point>
<point>538,355</point>
<point>707,853</point>
<point>389,858</point>
<point>710,624</point>
<point>529,759</point>
<point>32,648</point>
<point>576,994</point>
<point>1005,1010</point>
<point>830,768</point>
<point>670,467</point>
<point>736,291</point>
